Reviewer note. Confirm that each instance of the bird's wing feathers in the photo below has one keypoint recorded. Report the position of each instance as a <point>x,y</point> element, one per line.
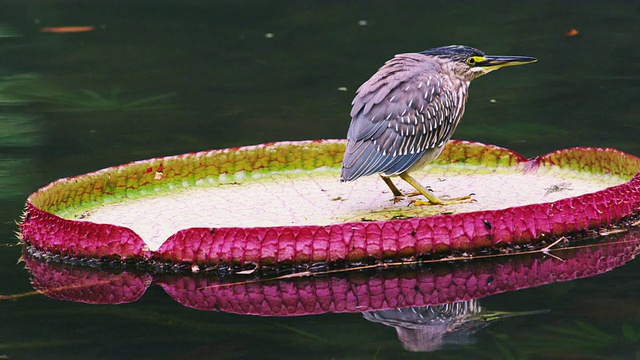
<point>402,111</point>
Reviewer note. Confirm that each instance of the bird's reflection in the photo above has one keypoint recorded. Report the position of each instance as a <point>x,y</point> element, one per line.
<point>428,328</point>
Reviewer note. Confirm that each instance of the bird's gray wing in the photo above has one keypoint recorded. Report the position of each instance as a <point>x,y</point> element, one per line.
<point>405,109</point>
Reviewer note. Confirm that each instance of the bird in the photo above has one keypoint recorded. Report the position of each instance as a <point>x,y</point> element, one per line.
<point>403,116</point>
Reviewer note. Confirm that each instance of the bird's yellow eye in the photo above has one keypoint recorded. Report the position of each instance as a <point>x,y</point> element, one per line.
<point>473,60</point>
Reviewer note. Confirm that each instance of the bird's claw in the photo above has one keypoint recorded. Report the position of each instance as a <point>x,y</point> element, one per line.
<point>397,199</point>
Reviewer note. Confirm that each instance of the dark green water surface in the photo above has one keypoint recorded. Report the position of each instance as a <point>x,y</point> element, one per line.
<point>165,77</point>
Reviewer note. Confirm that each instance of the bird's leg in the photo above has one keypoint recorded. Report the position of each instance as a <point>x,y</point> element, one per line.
<point>421,189</point>
<point>397,194</point>
<point>433,200</point>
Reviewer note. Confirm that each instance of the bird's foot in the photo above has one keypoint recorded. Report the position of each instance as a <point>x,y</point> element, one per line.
<point>416,193</point>
<point>437,201</point>
<point>397,199</point>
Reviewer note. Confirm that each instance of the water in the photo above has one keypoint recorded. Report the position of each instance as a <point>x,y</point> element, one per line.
<point>239,73</point>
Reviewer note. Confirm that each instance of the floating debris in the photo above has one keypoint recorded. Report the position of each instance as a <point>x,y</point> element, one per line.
<point>557,188</point>
<point>572,32</point>
<point>67,29</point>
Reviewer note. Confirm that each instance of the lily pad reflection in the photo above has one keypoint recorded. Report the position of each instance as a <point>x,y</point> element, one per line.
<point>428,306</point>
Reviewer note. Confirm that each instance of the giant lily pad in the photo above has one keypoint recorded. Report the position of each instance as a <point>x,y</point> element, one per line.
<point>282,203</point>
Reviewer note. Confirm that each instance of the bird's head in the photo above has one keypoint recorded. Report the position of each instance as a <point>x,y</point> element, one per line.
<point>469,63</point>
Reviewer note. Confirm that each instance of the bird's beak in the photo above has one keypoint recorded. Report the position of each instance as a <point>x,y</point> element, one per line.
<point>495,62</point>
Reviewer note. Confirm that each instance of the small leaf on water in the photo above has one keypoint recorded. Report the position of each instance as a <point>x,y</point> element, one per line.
<point>572,32</point>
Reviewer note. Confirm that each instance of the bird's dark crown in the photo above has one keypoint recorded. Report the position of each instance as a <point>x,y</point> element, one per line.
<point>453,52</point>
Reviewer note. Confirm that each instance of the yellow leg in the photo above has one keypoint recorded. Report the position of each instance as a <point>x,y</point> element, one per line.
<point>392,186</point>
<point>397,194</point>
<point>433,200</point>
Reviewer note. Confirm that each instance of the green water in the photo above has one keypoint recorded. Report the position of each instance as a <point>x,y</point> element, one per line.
<point>159,78</point>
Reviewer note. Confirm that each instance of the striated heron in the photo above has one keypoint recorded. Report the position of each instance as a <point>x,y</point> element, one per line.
<point>403,116</point>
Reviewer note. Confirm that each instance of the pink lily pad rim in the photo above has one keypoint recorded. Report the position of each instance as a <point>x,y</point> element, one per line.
<point>352,242</point>
<point>399,287</point>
